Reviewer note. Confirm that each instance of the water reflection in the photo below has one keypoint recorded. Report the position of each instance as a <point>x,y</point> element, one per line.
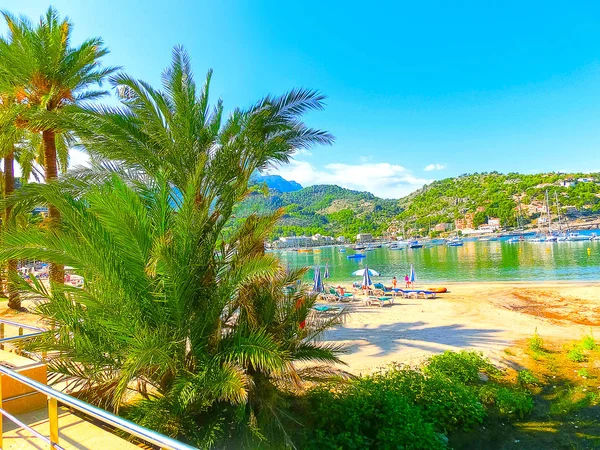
<point>484,261</point>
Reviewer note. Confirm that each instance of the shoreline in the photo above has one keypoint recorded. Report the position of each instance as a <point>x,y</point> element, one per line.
<point>487,316</point>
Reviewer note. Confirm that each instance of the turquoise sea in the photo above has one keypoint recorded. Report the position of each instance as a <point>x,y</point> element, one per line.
<point>475,261</point>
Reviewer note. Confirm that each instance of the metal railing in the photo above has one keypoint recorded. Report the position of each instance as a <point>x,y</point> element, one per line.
<point>55,397</point>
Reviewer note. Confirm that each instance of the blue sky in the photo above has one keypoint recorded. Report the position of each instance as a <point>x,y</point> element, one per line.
<point>451,87</point>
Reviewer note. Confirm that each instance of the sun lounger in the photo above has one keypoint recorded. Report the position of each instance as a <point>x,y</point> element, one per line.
<point>415,293</point>
<point>380,300</point>
<point>335,295</point>
<point>326,308</point>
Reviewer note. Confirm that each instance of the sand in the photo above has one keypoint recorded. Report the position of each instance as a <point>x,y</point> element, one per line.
<point>485,316</point>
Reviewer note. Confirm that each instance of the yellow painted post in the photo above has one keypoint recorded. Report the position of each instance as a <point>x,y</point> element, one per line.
<point>20,331</point>
<point>1,335</point>
<point>53,421</point>
<point>1,416</point>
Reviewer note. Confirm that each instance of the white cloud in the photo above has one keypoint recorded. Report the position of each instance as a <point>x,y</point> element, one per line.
<point>431,167</point>
<point>382,179</point>
<point>303,152</point>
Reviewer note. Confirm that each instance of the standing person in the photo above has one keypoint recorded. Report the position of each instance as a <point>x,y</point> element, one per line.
<point>394,283</point>
<point>406,281</point>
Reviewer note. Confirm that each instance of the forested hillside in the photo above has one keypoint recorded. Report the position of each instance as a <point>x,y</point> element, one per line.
<point>324,209</point>
<point>500,195</point>
<point>333,210</point>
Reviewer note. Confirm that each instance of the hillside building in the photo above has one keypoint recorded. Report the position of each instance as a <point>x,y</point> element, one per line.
<point>364,237</point>
<point>442,226</point>
<point>465,223</point>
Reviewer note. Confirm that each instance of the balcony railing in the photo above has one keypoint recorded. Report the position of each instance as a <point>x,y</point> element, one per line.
<point>56,397</point>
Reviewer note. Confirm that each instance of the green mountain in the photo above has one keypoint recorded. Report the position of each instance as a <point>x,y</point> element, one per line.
<point>275,182</point>
<point>333,210</point>
<point>324,209</point>
<point>500,195</point>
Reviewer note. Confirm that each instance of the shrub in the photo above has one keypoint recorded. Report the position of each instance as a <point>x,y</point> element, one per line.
<point>462,367</point>
<point>588,342</point>
<point>366,415</point>
<point>536,343</point>
<point>513,402</point>
<point>448,404</point>
<point>576,355</point>
<point>526,377</point>
<point>487,393</point>
<point>583,373</point>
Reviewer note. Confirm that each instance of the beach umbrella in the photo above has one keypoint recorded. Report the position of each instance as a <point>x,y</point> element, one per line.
<point>361,272</point>
<point>412,276</point>
<point>326,274</point>
<point>318,282</point>
<point>366,277</point>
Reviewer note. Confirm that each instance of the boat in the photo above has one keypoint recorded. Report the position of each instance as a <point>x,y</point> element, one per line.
<point>455,242</point>
<point>359,247</point>
<point>576,237</point>
<point>487,238</point>
<point>342,250</point>
<point>537,238</point>
<point>317,250</point>
<point>304,250</point>
<point>516,239</point>
<point>356,256</point>
<point>415,244</point>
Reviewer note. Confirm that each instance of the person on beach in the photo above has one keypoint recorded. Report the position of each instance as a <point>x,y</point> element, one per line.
<point>394,283</point>
<point>406,281</point>
<point>340,290</point>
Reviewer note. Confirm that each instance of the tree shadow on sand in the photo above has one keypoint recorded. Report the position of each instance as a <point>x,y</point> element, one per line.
<point>392,338</point>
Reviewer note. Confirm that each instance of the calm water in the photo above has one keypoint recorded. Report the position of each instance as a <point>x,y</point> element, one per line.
<point>475,261</point>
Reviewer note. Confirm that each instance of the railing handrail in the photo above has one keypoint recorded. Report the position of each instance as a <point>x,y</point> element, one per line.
<point>104,416</point>
<point>22,325</point>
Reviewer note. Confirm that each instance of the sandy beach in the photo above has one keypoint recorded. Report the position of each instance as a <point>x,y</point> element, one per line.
<point>484,316</point>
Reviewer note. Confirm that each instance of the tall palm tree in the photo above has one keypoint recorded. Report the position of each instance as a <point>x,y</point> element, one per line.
<point>46,75</point>
<point>180,302</point>
<point>9,138</point>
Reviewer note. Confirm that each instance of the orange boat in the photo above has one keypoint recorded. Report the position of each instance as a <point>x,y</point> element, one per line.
<point>438,290</point>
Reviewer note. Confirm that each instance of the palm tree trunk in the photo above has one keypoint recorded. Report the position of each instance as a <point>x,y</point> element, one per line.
<point>14,301</point>
<point>57,271</point>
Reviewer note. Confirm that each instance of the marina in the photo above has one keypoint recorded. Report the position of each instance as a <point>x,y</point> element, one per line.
<point>505,259</point>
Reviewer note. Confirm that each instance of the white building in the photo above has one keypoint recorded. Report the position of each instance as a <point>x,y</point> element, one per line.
<point>364,237</point>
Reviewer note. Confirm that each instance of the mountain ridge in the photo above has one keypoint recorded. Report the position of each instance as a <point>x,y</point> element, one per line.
<point>334,210</point>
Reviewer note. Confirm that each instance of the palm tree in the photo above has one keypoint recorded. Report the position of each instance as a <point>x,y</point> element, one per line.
<point>9,137</point>
<point>46,75</point>
<point>180,304</point>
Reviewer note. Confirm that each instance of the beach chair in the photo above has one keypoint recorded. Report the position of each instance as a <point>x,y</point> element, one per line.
<point>326,308</point>
<point>335,295</point>
<point>426,294</point>
<point>381,301</point>
<point>402,293</point>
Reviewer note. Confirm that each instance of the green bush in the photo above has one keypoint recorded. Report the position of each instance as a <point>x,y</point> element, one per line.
<point>583,373</point>
<point>448,404</point>
<point>512,402</point>
<point>487,393</point>
<point>576,355</point>
<point>365,415</point>
<point>526,377</point>
<point>588,342</point>
<point>462,367</point>
<point>536,343</point>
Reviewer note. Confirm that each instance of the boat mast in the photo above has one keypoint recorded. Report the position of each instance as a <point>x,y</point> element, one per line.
<point>558,211</point>
<point>548,213</point>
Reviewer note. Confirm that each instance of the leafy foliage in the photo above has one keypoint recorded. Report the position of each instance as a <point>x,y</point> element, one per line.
<point>189,316</point>
<point>408,408</point>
